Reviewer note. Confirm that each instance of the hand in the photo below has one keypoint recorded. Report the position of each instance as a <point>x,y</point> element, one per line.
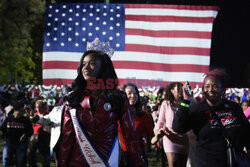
<point>186,92</point>
<point>144,141</point>
<point>247,151</point>
<point>174,137</point>
<point>28,110</point>
<point>158,135</point>
<point>22,138</point>
<point>161,132</point>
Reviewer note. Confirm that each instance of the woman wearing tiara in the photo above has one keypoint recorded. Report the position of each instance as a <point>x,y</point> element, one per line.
<point>90,123</point>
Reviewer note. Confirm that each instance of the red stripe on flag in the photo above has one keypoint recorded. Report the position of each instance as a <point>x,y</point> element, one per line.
<point>184,7</point>
<point>168,50</point>
<point>133,65</point>
<point>60,65</point>
<point>172,33</point>
<point>160,66</point>
<point>169,19</point>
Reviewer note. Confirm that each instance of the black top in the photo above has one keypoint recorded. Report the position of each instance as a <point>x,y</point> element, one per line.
<point>210,147</point>
<point>13,128</point>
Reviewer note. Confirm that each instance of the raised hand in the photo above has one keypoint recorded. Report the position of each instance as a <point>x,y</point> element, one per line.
<point>22,138</point>
<point>28,110</point>
<point>187,92</point>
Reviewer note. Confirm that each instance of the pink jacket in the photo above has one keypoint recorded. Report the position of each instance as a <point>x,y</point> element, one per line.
<point>175,143</point>
<point>247,113</point>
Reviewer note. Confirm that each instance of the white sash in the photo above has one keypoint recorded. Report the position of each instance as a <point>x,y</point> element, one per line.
<point>87,148</point>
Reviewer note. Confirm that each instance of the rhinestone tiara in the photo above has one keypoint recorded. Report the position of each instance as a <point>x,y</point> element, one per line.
<point>102,46</point>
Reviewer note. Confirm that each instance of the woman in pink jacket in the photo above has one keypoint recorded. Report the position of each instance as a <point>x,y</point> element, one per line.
<point>247,113</point>
<point>175,145</point>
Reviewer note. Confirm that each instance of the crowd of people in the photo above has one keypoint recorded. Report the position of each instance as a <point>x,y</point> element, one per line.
<point>102,125</point>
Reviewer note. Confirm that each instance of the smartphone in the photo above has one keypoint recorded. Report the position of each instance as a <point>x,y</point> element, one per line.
<point>189,90</point>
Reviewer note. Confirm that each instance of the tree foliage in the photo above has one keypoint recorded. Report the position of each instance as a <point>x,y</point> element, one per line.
<point>21,36</point>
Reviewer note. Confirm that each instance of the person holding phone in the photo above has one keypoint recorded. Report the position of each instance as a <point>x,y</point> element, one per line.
<point>175,145</point>
<point>211,146</point>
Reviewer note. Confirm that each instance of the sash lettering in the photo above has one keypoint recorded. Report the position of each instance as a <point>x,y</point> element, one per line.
<point>87,149</point>
<point>90,154</point>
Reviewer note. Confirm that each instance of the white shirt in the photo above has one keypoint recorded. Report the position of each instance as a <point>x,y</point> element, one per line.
<point>53,121</point>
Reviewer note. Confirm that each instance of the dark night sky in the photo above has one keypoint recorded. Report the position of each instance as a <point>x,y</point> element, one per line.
<point>230,37</point>
<point>230,42</point>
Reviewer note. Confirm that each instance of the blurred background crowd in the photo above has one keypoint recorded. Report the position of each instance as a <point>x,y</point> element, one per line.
<point>53,95</point>
<point>151,99</point>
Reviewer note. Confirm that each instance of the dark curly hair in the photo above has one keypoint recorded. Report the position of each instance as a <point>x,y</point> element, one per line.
<point>107,71</point>
<point>169,95</point>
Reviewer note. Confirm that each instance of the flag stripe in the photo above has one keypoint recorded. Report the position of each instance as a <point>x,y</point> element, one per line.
<point>60,65</point>
<point>168,42</point>
<point>132,65</point>
<point>147,18</point>
<point>168,50</point>
<point>168,11</point>
<point>161,58</point>
<point>171,34</point>
<point>159,66</point>
<point>165,76</point>
<point>177,7</point>
<point>160,26</point>
<point>123,73</point>
<point>133,56</point>
<point>60,73</point>
<point>61,56</point>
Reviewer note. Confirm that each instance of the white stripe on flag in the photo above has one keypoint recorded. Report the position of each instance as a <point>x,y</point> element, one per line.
<point>62,56</point>
<point>168,42</point>
<point>161,58</point>
<point>170,12</point>
<point>164,26</point>
<point>59,74</point>
<point>165,76</point>
<point>123,73</point>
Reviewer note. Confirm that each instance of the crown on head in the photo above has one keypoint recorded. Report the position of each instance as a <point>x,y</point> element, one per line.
<point>102,46</point>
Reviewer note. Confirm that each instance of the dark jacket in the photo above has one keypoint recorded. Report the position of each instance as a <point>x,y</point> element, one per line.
<point>13,128</point>
<point>210,147</point>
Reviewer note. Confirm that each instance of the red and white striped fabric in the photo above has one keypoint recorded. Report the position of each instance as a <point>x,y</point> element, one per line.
<point>162,44</point>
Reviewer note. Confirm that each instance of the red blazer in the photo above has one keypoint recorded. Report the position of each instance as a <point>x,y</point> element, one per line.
<point>144,127</point>
<point>102,128</point>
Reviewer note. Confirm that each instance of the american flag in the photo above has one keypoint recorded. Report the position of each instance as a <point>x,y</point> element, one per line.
<point>163,43</point>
